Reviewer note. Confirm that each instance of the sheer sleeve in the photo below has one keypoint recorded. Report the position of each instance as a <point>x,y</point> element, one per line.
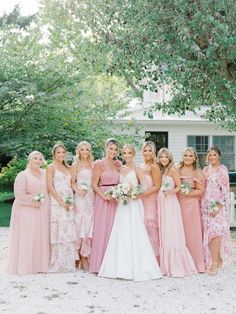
<point>20,190</point>
<point>223,182</point>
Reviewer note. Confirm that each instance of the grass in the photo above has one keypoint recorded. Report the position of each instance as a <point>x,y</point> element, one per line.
<point>5,207</point>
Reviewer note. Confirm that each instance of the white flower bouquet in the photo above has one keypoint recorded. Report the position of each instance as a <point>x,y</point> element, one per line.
<point>39,197</point>
<point>166,187</point>
<point>185,188</point>
<point>84,186</point>
<point>213,208</point>
<point>136,190</point>
<point>112,192</point>
<point>69,200</point>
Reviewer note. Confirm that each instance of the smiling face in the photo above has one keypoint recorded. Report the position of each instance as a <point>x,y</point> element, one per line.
<point>127,154</point>
<point>213,157</point>
<point>164,159</point>
<point>60,154</point>
<point>189,158</point>
<point>112,151</point>
<point>83,152</point>
<point>148,153</point>
<point>36,161</point>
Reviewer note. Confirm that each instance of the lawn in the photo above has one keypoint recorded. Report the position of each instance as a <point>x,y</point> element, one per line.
<point>5,207</point>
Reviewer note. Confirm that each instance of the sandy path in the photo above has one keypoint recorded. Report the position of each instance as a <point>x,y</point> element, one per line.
<point>82,292</point>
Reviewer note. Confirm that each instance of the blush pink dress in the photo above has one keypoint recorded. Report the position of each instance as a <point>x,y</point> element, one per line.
<point>217,189</point>
<point>192,220</point>
<point>29,226</point>
<point>104,213</point>
<point>62,227</point>
<point>150,216</point>
<point>175,259</point>
<point>84,210</point>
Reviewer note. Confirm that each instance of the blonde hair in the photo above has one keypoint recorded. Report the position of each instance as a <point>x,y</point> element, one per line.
<point>153,148</point>
<point>165,169</point>
<point>129,146</point>
<point>194,152</point>
<point>77,151</point>
<point>55,147</point>
<point>31,156</point>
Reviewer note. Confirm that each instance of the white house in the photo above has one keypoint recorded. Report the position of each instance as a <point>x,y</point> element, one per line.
<point>177,132</point>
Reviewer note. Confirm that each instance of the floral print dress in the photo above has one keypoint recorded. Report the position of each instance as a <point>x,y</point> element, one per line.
<point>217,190</point>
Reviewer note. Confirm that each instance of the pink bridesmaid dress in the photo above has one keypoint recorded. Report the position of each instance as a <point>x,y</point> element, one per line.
<point>84,210</point>
<point>175,259</point>
<point>29,226</point>
<point>192,220</point>
<point>104,213</point>
<point>217,189</point>
<point>150,216</point>
<point>62,227</point>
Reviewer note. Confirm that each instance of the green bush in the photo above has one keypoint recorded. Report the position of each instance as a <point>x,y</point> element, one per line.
<point>9,173</point>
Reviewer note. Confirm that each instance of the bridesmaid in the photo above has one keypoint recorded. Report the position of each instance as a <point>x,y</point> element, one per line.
<point>216,238</point>
<point>175,259</point>
<point>62,224</point>
<point>81,171</point>
<point>153,179</point>
<point>189,198</point>
<point>106,175</point>
<point>29,226</point>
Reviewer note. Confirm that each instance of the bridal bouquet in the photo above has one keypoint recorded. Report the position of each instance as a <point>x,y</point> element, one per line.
<point>136,190</point>
<point>84,186</point>
<point>69,200</point>
<point>185,188</point>
<point>39,197</point>
<point>123,192</point>
<point>112,192</point>
<point>213,208</point>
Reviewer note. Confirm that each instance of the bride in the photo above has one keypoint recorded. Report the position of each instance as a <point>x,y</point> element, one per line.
<point>129,254</point>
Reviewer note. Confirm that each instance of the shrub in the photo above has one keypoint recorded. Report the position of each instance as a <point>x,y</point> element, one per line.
<point>9,173</point>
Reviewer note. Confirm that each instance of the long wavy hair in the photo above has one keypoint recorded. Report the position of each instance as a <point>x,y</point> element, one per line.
<point>196,161</point>
<point>77,152</point>
<point>55,147</point>
<point>31,156</point>
<point>165,169</point>
<point>109,142</point>
<point>216,149</point>
<point>153,148</point>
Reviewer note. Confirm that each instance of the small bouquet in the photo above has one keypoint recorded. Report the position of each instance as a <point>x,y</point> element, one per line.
<point>213,208</point>
<point>84,186</point>
<point>39,197</point>
<point>112,192</point>
<point>136,190</point>
<point>166,187</point>
<point>69,200</point>
<point>123,192</point>
<point>185,188</point>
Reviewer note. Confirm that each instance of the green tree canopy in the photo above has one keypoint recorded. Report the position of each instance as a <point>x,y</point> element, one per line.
<point>190,45</point>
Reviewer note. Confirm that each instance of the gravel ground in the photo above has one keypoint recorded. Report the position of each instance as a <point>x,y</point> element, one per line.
<point>81,292</point>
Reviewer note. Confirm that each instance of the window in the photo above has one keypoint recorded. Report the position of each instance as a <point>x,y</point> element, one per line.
<point>159,138</point>
<point>201,144</point>
<point>226,145</point>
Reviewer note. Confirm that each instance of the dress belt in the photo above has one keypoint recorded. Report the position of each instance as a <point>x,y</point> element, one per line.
<point>107,185</point>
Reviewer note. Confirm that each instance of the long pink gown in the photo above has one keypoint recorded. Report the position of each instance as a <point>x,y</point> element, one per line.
<point>192,220</point>
<point>104,213</point>
<point>62,224</point>
<point>29,226</point>
<point>150,216</point>
<point>84,210</point>
<point>175,259</point>
<point>217,189</point>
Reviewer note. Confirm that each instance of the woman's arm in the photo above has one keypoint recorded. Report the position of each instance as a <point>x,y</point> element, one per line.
<point>176,177</point>
<point>98,168</point>
<point>156,179</point>
<point>21,194</point>
<point>74,171</point>
<point>49,175</point>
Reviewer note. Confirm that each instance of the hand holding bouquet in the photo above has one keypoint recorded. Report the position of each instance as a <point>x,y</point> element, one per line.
<point>83,188</point>
<point>185,188</point>
<point>69,200</point>
<point>39,197</point>
<point>214,208</point>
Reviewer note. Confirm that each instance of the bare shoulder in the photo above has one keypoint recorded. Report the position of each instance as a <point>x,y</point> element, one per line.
<point>173,171</point>
<point>198,172</point>
<point>155,167</point>
<point>50,168</point>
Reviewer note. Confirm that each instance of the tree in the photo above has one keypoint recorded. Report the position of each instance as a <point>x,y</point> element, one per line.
<point>190,45</point>
<point>53,85</point>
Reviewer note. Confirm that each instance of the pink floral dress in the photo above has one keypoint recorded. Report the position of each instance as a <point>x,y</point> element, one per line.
<point>217,189</point>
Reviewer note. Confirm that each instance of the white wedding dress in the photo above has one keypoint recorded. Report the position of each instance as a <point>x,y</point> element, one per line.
<point>129,254</point>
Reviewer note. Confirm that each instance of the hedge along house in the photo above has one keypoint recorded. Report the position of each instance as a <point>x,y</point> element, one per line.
<point>177,132</point>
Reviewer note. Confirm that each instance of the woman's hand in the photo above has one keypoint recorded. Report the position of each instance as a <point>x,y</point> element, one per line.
<point>81,193</point>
